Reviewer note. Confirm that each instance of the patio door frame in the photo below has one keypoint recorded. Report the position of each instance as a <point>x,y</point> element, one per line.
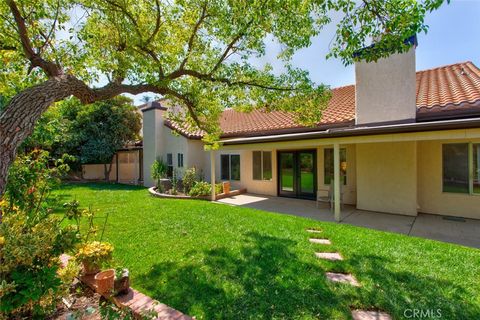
<point>297,193</point>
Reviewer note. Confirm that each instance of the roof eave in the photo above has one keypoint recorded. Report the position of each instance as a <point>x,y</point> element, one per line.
<point>362,131</point>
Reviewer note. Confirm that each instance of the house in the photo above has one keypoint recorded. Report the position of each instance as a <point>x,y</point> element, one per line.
<point>405,142</point>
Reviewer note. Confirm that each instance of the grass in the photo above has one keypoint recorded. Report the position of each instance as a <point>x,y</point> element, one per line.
<point>219,262</point>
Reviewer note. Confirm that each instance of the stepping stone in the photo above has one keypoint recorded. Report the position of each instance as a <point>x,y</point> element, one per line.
<point>320,241</point>
<point>314,230</point>
<point>370,315</point>
<point>342,277</point>
<point>332,256</point>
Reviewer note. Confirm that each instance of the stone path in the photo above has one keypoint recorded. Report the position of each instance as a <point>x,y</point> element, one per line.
<point>345,278</point>
<point>370,315</point>
<point>332,256</point>
<point>342,277</point>
<point>320,241</point>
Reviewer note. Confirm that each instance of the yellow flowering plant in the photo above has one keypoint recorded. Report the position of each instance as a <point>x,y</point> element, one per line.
<point>95,253</point>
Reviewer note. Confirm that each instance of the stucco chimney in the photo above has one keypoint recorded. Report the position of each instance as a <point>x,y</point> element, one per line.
<point>153,139</point>
<point>386,90</point>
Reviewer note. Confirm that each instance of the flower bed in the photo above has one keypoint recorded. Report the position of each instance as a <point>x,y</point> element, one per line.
<point>231,193</point>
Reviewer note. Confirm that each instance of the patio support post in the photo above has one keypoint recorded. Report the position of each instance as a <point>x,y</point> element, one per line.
<point>336,181</point>
<point>212,173</point>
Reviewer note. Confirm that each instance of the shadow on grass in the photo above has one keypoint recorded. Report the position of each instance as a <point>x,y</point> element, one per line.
<point>398,292</point>
<point>263,279</point>
<point>266,279</point>
<point>107,186</point>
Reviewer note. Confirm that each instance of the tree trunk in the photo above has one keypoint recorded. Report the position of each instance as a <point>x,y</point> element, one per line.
<point>19,117</point>
<point>107,171</point>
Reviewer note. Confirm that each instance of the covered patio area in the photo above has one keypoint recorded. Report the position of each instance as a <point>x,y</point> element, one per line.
<point>442,228</point>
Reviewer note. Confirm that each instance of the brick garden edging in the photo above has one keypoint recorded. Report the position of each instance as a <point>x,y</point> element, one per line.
<point>136,301</point>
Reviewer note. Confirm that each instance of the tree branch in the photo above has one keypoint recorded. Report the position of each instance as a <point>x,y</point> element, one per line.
<point>203,15</point>
<point>190,106</point>
<point>158,23</point>
<point>210,78</point>
<point>52,29</point>
<point>50,68</point>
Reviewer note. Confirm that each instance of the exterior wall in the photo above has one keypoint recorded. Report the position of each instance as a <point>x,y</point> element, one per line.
<point>265,187</point>
<point>97,171</point>
<point>349,190</point>
<point>430,195</point>
<point>174,144</point>
<point>385,90</point>
<point>387,177</point>
<point>128,166</point>
<point>196,156</point>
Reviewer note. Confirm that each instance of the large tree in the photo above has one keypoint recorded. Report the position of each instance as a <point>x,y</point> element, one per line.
<point>196,52</point>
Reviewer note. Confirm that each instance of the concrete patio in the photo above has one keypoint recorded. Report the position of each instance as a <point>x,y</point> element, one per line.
<point>460,231</point>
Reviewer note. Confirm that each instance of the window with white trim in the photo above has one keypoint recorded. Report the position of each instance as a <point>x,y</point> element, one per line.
<point>461,168</point>
<point>262,165</point>
<point>230,167</point>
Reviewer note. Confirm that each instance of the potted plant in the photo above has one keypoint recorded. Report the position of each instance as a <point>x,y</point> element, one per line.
<point>104,281</point>
<point>122,281</point>
<point>93,255</point>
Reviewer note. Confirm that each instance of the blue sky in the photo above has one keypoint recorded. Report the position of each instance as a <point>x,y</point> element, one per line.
<point>453,36</point>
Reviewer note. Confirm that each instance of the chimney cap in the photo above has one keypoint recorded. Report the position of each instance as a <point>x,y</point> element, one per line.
<point>153,105</point>
<point>410,41</point>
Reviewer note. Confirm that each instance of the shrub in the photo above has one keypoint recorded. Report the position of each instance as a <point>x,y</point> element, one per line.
<point>203,188</point>
<point>200,188</point>
<point>190,178</point>
<point>32,239</point>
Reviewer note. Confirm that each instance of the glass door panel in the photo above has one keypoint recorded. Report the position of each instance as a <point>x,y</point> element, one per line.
<point>307,172</point>
<point>297,174</point>
<point>287,174</point>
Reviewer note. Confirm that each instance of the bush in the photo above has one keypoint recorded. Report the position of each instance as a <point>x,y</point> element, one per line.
<point>200,188</point>
<point>203,188</point>
<point>190,178</point>
<point>32,239</point>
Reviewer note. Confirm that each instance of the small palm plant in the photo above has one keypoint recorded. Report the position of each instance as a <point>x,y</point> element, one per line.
<point>159,171</point>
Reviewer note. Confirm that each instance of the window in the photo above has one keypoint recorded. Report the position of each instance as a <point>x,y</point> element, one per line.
<point>169,165</point>
<point>180,160</point>
<point>230,167</point>
<point>328,165</point>
<point>461,168</point>
<point>262,165</point>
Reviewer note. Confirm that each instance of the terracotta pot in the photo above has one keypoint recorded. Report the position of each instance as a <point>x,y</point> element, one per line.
<point>104,281</point>
<point>90,268</point>
<point>226,187</point>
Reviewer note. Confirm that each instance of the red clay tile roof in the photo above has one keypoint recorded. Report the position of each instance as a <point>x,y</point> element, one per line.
<point>445,91</point>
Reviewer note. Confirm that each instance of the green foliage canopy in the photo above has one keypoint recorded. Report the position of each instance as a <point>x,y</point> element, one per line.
<point>197,53</point>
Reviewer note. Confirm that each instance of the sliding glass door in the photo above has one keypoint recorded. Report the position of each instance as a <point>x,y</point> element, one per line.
<point>297,174</point>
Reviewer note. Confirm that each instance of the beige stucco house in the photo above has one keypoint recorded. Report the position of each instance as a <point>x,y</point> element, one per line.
<point>404,142</point>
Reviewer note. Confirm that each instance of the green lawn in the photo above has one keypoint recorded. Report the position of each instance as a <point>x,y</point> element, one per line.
<point>221,262</point>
